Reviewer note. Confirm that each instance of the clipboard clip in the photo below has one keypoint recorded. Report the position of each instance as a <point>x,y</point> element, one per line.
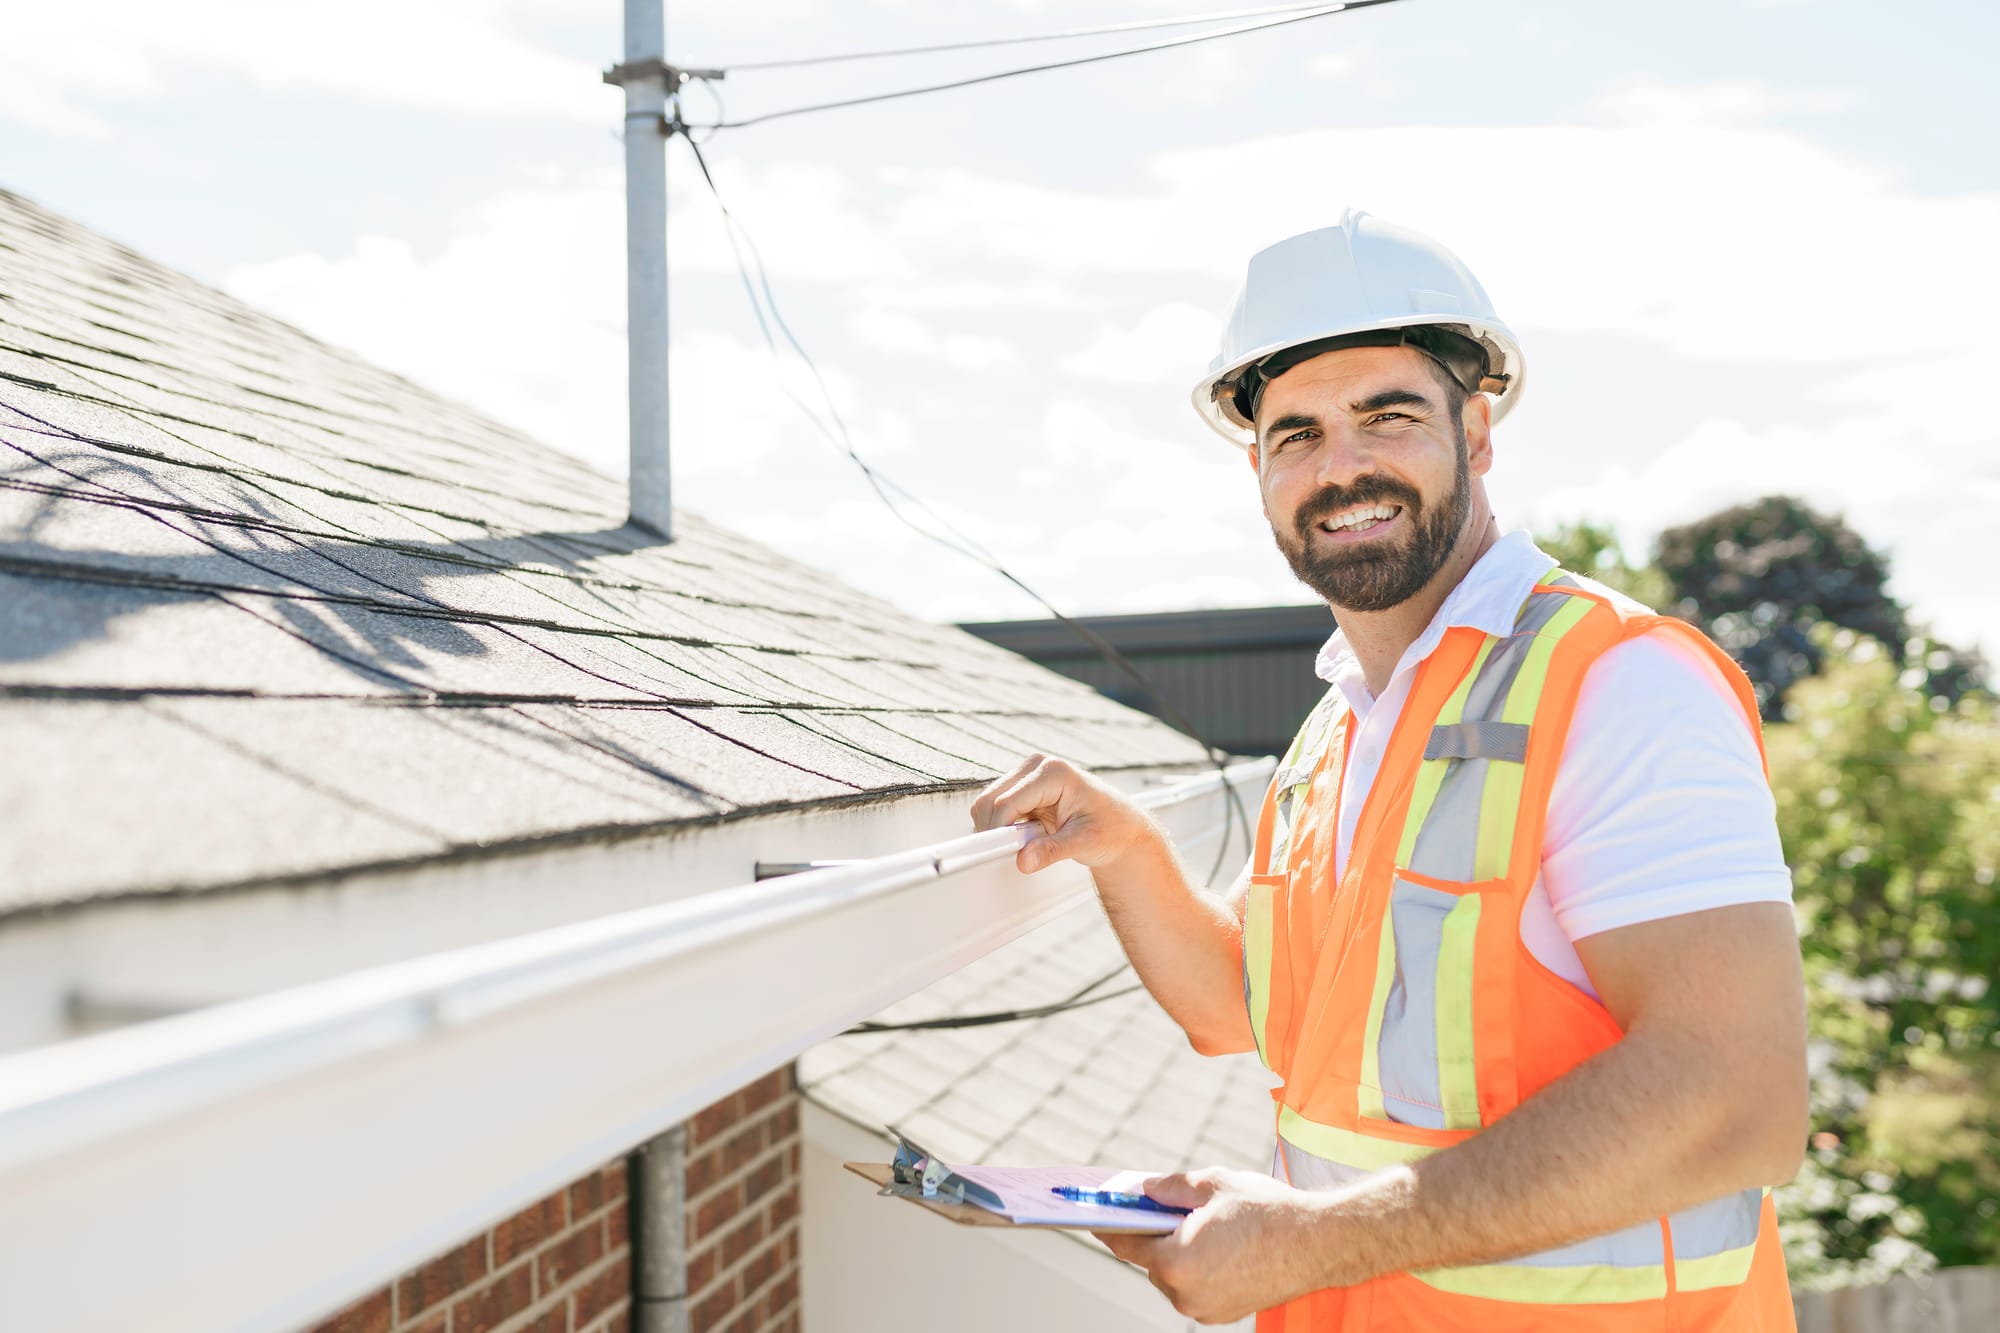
<point>917,1172</point>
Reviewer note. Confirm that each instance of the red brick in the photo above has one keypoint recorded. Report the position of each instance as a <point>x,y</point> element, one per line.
<point>792,1158</point>
<point>711,1121</point>
<point>371,1314</point>
<point>589,1194</point>
<point>739,1240</point>
<point>443,1277</point>
<point>766,1090</point>
<point>742,1147</point>
<point>431,1323</point>
<point>764,1179</point>
<point>553,1320</point>
<point>761,1268</point>
<point>784,1293</point>
<point>612,1287</point>
<point>505,1296</point>
<point>701,1270</point>
<point>787,1123</point>
<point>617,1225</point>
<point>786,1206</point>
<point>701,1172</point>
<point>711,1310</point>
<point>529,1229</point>
<point>720,1206</point>
<point>569,1256</point>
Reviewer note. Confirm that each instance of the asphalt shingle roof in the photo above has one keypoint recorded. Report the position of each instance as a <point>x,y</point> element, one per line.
<point>268,612</point>
<point>1109,1084</point>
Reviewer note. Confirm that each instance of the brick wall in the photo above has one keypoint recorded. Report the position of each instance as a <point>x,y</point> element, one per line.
<point>743,1211</point>
<point>560,1265</point>
<point>563,1264</point>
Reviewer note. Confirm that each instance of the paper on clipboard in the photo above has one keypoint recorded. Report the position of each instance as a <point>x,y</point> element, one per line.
<point>1021,1196</point>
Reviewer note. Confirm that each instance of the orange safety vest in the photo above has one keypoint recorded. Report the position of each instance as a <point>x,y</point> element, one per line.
<point>1404,1013</point>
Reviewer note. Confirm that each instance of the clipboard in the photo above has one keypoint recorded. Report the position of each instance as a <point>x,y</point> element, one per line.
<point>1007,1196</point>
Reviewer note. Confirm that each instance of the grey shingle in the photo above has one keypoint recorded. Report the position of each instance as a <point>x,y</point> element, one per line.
<point>269,611</point>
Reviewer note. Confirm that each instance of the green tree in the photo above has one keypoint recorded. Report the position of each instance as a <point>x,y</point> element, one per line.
<point>1886,801</point>
<point>1593,551</point>
<point>1758,577</point>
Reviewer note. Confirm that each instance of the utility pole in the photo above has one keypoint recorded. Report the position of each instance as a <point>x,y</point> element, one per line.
<point>645,77</point>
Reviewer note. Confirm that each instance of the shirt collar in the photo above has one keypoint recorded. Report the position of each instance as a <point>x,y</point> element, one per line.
<point>1487,599</point>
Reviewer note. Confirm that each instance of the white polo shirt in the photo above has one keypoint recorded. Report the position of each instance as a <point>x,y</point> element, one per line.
<point>1659,807</point>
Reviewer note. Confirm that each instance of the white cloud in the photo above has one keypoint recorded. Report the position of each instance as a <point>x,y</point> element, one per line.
<point>1041,336</point>
<point>1647,100</point>
<point>1156,350</point>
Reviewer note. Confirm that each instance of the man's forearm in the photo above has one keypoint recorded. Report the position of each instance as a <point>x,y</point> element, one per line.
<point>1186,945</point>
<point>1645,1128</point>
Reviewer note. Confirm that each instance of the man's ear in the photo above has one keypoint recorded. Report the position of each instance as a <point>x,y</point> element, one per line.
<point>1477,417</point>
<point>1250,452</point>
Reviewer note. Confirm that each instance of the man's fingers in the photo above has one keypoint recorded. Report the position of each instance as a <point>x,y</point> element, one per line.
<point>1178,1189</point>
<point>1132,1249</point>
<point>982,805</point>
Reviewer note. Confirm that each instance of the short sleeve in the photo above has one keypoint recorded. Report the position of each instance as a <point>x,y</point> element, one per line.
<point>1660,806</point>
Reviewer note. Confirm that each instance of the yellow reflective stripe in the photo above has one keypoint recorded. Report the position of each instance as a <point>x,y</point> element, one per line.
<point>1500,799</point>
<point>1588,1284</point>
<point>1370,1090</point>
<point>1257,913</point>
<point>1458,1077</point>
<point>1362,1151</point>
<point>1526,692</point>
<point>1430,773</point>
<point>1729,1269</point>
<point>1499,811</point>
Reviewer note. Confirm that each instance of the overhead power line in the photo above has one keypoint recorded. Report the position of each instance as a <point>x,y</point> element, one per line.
<point>1214,34</point>
<point>767,314</point>
<point>1102,30</point>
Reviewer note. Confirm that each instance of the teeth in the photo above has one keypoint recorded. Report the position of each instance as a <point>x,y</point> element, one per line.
<point>1367,516</point>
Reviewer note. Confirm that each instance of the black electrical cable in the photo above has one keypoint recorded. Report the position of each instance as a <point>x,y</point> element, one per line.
<point>1262,25</point>
<point>1075,1001</point>
<point>964,546</point>
<point>1102,30</point>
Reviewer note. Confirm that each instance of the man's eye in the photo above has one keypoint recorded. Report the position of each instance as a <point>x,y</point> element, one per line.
<point>1386,416</point>
<point>1295,437</point>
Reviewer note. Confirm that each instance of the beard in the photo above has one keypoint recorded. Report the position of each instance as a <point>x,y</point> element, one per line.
<point>1375,577</point>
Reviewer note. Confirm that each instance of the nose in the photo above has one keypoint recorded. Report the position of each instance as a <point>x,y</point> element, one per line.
<point>1344,454</point>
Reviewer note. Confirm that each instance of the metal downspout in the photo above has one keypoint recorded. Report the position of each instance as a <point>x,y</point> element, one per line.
<point>656,1177</point>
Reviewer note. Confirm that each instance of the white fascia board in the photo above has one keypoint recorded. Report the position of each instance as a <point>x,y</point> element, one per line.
<point>251,1167</point>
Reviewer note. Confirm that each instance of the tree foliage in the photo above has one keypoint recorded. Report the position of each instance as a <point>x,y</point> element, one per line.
<point>1886,803</point>
<point>1885,763</point>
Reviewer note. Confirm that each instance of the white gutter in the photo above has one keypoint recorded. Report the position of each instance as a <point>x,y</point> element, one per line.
<point>253,1166</point>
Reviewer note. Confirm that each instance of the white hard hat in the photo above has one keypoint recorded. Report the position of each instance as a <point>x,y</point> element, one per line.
<point>1364,276</point>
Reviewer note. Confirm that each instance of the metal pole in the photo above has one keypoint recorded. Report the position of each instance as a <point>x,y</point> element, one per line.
<point>657,1211</point>
<point>645,84</point>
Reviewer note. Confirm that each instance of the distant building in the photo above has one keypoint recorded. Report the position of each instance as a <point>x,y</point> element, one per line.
<point>1244,678</point>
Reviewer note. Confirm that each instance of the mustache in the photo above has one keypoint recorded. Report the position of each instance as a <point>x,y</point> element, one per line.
<point>1371,489</point>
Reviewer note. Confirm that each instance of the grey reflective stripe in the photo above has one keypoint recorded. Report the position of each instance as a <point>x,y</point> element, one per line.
<point>1447,843</point>
<point>1636,1246</point>
<point>1408,1050</point>
<point>1727,1223</point>
<point>1449,838</point>
<point>1308,1172</point>
<point>1479,740</point>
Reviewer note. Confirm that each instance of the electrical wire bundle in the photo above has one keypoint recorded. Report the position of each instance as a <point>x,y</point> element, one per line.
<point>833,428</point>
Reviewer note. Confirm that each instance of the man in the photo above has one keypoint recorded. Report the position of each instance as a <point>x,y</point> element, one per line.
<point>1516,933</point>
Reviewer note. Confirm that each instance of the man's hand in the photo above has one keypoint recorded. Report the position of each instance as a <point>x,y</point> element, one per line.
<point>1082,820</point>
<point>1251,1243</point>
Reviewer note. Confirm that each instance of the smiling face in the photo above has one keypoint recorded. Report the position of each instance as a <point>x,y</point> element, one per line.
<point>1367,472</point>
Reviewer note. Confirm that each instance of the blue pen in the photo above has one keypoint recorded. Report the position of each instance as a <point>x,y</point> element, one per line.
<point>1113,1199</point>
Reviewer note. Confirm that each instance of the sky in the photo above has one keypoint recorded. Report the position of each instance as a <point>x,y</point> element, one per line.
<point>1745,245</point>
